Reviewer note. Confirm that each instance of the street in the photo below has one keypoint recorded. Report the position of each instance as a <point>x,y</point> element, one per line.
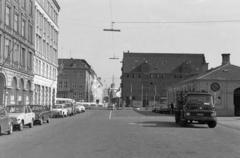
<point>120,134</point>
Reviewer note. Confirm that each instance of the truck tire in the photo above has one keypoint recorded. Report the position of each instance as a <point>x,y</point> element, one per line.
<point>183,122</point>
<point>212,124</point>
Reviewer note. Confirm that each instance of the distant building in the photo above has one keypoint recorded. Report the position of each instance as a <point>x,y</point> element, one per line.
<point>76,81</point>
<point>96,88</point>
<point>46,52</point>
<point>17,41</point>
<point>223,82</point>
<point>146,76</point>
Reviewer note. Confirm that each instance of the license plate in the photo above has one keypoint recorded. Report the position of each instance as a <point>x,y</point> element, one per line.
<point>200,114</point>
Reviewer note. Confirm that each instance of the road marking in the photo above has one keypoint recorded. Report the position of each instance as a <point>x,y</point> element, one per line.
<point>110,115</point>
<point>141,124</point>
<point>138,117</point>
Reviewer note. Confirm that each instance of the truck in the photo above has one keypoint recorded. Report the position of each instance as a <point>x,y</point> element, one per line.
<point>195,108</point>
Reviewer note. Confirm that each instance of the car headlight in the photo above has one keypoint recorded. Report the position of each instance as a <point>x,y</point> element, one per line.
<point>187,114</point>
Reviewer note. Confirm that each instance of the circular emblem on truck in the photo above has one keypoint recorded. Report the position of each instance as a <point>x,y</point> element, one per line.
<point>215,87</point>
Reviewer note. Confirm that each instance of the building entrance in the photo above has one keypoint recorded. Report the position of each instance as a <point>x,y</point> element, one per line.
<point>237,101</point>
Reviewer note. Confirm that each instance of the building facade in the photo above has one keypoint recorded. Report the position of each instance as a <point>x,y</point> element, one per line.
<point>146,76</point>
<point>96,88</point>
<point>17,43</point>
<point>223,82</point>
<point>76,81</point>
<point>46,52</point>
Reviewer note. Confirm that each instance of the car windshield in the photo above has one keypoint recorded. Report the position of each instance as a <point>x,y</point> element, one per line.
<point>199,101</point>
<point>57,106</point>
<point>36,108</point>
<point>15,109</point>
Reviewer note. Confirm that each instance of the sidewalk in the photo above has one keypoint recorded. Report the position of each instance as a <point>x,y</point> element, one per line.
<point>230,122</point>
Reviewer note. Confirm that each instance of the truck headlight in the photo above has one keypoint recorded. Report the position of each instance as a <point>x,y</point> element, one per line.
<point>187,114</point>
<point>213,114</point>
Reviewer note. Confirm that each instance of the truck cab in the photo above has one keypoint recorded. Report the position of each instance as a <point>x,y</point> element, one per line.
<point>196,108</point>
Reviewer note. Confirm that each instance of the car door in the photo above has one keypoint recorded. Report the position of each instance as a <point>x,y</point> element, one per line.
<point>30,114</point>
<point>3,120</point>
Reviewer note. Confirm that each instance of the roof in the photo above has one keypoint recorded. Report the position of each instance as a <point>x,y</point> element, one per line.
<point>69,63</point>
<point>164,62</point>
<point>223,72</point>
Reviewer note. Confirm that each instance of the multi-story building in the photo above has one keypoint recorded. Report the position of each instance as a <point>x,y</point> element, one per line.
<point>74,80</point>
<point>46,51</point>
<point>146,76</point>
<point>96,88</point>
<point>17,29</point>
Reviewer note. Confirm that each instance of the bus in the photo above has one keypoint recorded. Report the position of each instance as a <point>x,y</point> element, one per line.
<point>70,105</point>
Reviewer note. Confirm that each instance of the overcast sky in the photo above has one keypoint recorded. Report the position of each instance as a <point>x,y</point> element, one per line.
<point>82,22</point>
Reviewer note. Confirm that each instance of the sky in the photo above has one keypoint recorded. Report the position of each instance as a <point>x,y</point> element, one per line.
<point>210,27</point>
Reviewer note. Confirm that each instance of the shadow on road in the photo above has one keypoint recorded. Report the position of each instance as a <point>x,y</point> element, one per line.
<point>166,124</point>
<point>150,113</point>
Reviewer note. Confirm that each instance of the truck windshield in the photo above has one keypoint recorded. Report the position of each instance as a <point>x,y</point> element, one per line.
<point>199,102</point>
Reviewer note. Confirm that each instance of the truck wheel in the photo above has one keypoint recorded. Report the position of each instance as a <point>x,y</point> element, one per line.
<point>183,122</point>
<point>212,124</point>
<point>176,120</point>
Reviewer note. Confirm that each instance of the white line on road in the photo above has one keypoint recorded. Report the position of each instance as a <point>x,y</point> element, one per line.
<point>110,115</point>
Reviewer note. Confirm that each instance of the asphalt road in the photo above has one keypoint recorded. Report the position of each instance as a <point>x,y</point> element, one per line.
<point>120,134</point>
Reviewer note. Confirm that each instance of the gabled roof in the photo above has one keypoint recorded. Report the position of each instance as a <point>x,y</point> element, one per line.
<point>223,72</point>
<point>163,62</point>
<point>74,63</point>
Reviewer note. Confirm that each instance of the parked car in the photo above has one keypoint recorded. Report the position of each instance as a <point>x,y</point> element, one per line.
<point>80,108</point>
<point>42,114</point>
<point>21,115</point>
<point>59,110</point>
<point>6,124</point>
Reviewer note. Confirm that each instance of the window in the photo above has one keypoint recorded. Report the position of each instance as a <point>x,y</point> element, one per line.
<point>30,59</point>
<point>7,48</point>
<point>16,23</point>
<point>81,73</point>
<point>8,11</point>
<point>65,73</point>
<point>23,28</point>
<point>44,71</point>
<point>31,7</point>
<point>24,4</point>
<point>22,61</point>
<point>65,84</point>
<point>30,35</point>
<point>74,74</point>
<point>15,52</point>
<point>74,95</point>
<point>74,84</point>
<point>39,67</point>
<point>60,84</point>
<point>81,86</point>
<point>81,96</point>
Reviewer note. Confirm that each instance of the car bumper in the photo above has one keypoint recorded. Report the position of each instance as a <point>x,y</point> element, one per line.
<point>196,118</point>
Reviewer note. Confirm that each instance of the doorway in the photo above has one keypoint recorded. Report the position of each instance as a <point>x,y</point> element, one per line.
<point>2,85</point>
<point>236,101</point>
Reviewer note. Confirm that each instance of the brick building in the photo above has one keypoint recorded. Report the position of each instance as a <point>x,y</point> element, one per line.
<point>76,80</point>
<point>223,82</point>
<point>146,76</point>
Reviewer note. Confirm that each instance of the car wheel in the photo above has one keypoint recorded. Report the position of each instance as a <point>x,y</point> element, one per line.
<point>0,131</point>
<point>10,129</point>
<point>48,120</point>
<point>30,124</point>
<point>41,121</point>
<point>20,127</point>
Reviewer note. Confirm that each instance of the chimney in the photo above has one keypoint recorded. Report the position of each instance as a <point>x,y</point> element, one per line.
<point>225,59</point>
